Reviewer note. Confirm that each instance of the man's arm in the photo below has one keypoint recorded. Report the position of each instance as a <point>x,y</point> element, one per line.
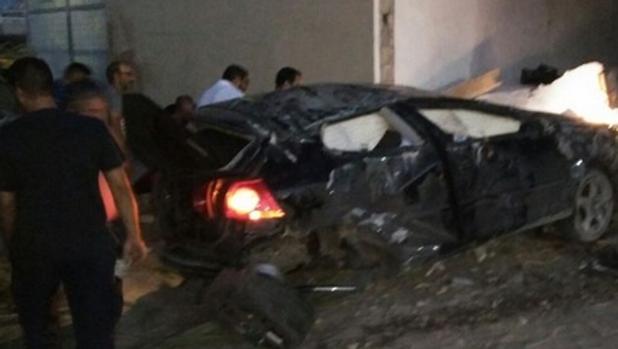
<point>117,131</point>
<point>7,215</point>
<point>134,248</point>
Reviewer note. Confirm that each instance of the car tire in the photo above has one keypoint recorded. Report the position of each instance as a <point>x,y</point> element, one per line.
<point>261,308</point>
<point>593,208</point>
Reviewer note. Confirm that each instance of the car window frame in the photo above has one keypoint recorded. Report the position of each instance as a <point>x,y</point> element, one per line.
<point>395,122</point>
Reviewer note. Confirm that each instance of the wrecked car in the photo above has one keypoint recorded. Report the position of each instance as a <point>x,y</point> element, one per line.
<point>420,172</point>
<point>366,175</point>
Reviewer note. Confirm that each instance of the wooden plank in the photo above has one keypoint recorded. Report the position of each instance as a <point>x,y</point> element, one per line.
<point>477,86</point>
<point>611,86</point>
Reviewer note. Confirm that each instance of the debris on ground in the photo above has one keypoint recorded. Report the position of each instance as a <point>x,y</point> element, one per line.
<point>262,308</point>
<point>532,293</point>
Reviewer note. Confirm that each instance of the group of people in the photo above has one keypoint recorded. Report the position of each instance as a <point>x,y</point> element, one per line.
<point>64,184</point>
<point>57,160</point>
<point>235,82</point>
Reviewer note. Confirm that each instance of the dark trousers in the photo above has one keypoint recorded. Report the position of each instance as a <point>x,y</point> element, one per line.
<point>86,271</point>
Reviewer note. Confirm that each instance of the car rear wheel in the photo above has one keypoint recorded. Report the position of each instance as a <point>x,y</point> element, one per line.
<point>260,307</point>
<point>593,207</point>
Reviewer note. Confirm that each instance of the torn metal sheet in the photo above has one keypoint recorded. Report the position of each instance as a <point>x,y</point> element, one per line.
<point>400,199</point>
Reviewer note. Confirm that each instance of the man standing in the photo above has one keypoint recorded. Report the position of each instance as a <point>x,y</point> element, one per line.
<point>74,72</point>
<point>52,215</point>
<point>233,84</point>
<point>121,77</point>
<point>288,77</point>
<point>86,98</point>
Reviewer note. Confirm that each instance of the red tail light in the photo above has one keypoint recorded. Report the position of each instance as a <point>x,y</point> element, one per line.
<point>251,200</point>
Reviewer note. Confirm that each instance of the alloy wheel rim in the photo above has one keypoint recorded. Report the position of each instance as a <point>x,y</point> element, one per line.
<point>594,205</point>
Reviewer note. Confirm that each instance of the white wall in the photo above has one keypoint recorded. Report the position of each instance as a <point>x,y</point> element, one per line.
<point>183,46</point>
<point>440,42</point>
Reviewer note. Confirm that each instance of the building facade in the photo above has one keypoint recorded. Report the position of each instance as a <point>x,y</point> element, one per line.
<point>181,47</point>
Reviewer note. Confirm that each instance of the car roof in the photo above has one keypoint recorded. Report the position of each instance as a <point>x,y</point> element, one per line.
<point>299,113</point>
<point>303,109</point>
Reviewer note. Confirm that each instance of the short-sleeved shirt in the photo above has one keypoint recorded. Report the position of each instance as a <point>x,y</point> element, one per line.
<point>51,160</point>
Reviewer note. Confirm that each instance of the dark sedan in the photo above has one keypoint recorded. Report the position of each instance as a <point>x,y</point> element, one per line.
<point>373,172</point>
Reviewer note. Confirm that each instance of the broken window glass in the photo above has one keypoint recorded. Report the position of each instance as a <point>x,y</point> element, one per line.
<point>382,130</point>
<point>471,123</point>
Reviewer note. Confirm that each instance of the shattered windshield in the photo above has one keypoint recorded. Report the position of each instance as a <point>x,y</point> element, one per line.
<point>471,123</point>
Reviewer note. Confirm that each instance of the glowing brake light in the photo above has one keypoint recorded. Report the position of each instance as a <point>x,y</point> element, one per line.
<point>251,200</point>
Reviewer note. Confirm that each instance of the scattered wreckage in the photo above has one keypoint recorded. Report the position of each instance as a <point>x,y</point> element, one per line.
<point>364,175</point>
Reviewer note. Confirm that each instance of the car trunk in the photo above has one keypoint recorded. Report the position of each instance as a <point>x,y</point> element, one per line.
<point>195,165</point>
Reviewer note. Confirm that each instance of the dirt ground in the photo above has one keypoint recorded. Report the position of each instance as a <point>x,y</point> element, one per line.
<point>528,291</point>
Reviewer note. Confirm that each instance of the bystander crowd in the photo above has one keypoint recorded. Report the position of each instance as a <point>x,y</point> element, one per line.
<point>52,216</point>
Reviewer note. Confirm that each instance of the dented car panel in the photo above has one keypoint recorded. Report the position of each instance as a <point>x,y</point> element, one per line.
<point>411,191</point>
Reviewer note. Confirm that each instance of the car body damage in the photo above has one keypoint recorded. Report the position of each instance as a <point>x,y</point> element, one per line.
<point>385,175</point>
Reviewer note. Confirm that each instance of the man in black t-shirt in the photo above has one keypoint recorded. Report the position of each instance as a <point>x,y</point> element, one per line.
<point>52,216</point>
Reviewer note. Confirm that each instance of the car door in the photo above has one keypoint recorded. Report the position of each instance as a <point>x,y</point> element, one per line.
<point>508,173</point>
<point>388,180</point>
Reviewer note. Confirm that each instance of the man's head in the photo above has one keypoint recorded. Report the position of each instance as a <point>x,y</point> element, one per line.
<point>238,76</point>
<point>33,82</point>
<point>185,104</point>
<point>76,71</point>
<point>122,76</point>
<point>288,77</point>
<point>87,98</point>
<point>183,109</point>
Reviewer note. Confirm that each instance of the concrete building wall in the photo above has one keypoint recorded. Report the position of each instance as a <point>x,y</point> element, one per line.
<point>439,42</point>
<point>183,46</point>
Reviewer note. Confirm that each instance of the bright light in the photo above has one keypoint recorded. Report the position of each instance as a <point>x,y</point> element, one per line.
<point>251,200</point>
<point>580,91</point>
<point>243,200</point>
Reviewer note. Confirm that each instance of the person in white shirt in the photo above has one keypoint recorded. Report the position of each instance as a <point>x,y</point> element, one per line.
<point>233,84</point>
